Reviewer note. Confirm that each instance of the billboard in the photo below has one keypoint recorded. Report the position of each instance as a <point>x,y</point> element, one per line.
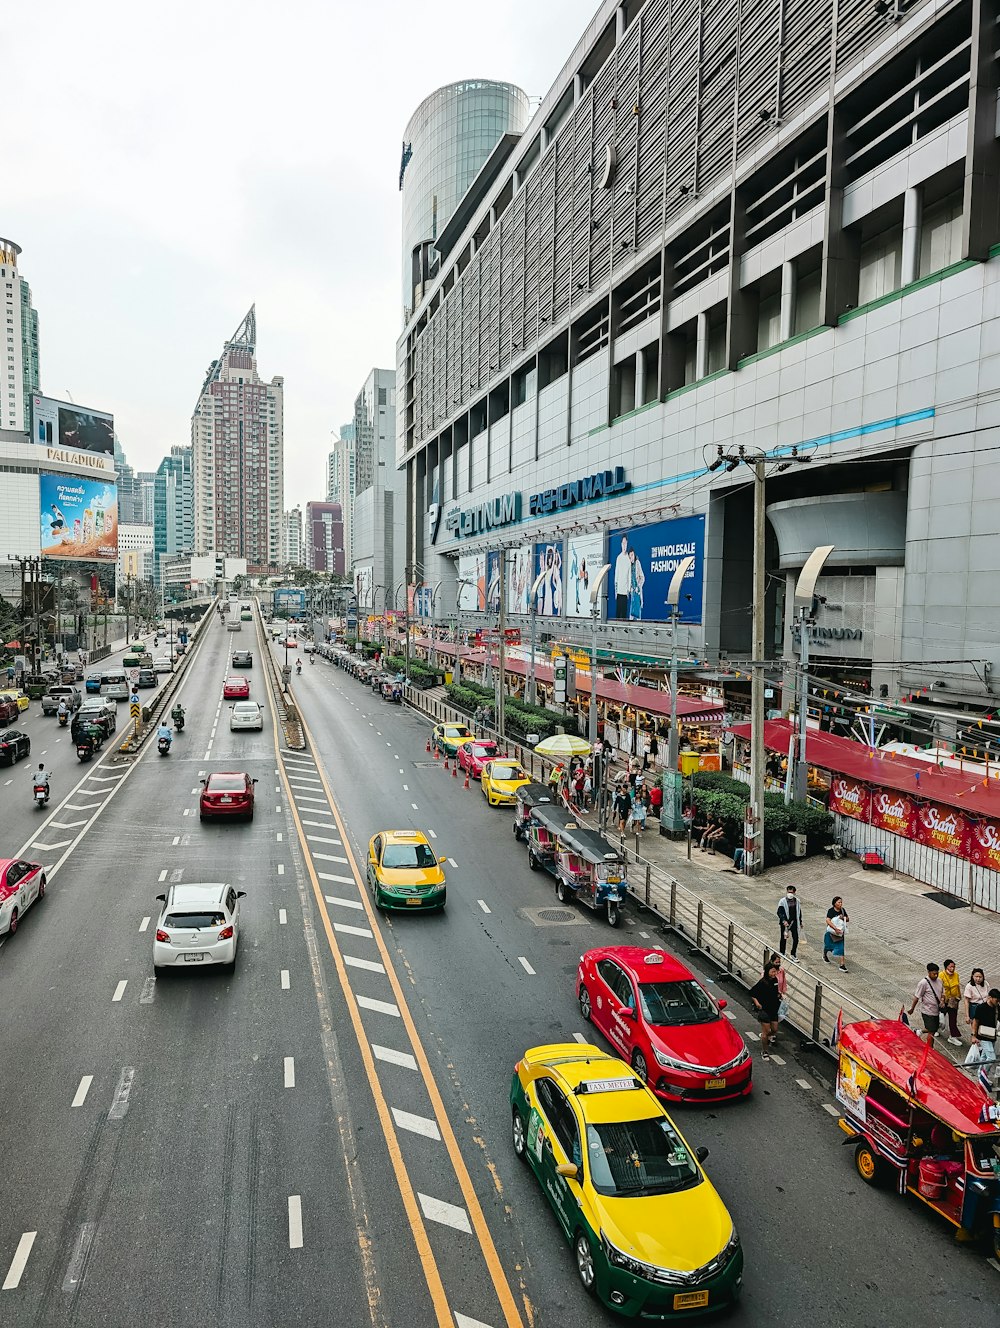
<point>79,517</point>
<point>364,589</point>
<point>60,424</point>
<point>549,596</point>
<point>519,578</point>
<point>644,558</point>
<point>493,582</point>
<point>584,559</point>
<point>290,603</point>
<point>472,582</point>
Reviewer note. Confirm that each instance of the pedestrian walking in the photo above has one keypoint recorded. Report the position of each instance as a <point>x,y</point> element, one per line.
<point>623,808</point>
<point>984,1026</point>
<point>790,920</point>
<point>656,800</point>
<point>835,938</point>
<point>766,1003</point>
<point>775,963</point>
<point>952,985</point>
<point>638,814</point>
<point>976,991</point>
<point>929,995</point>
<point>652,751</point>
<point>588,790</point>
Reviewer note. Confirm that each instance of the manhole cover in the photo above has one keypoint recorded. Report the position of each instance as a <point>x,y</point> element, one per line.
<point>942,897</point>
<point>554,917</point>
<point>427,765</point>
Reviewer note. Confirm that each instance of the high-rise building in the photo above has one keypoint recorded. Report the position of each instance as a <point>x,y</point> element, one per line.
<point>378,517</point>
<point>173,508</point>
<point>451,136</point>
<point>340,480</point>
<point>145,485</point>
<point>325,538</point>
<point>374,424</point>
<point>291,538</point>
<point>237,442</point>
<point>19,359</point>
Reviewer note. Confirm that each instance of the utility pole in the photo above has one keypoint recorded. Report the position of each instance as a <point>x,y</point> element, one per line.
<point>805,590</point>
<point>595,617</point>
<point>501,643</point>
<point>754,857</point>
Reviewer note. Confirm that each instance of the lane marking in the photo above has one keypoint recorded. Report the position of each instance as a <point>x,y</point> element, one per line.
<point>377,1007</point>
<point>579,1037</point>
<point>289,1071</point>
<point>730,1016</point>
<point>305,797</point>
<point>328,857</point>
<point>525,965</point>
<point>285,980</point>
<point>406,787</point>
<point>65,825</point>
<point>802,1083</point>
<point>416,1124</point>
<point>449,1215</point>
<point>319,811</point>
<point>119,1106</point>
<point>351,931</point>
<point>453,863</point>
<point>163,875</point>
<point>432,834</point>
<point>778,1060</point>
<point>344,903</point>
<point>414,806</point>
<point>829,1107</point>
<point>295,1222</point>
<point>369,965</point>
<point>120,990</point>
<point>16,1269</point>
<point>463,1321</point>
<point>282,917</point>
<point>341,880</point>
<point>321,839</point>
<point>281,869</point>
<point>391,1057</point>
<point>80,1097</point>
<point>484,906</point>
<point>50,848</point>
<point>279,836</point>
<point>176,841</point>
<point>144,924</point>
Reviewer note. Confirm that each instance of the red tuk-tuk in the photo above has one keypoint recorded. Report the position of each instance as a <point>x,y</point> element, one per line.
<point>918,1119</point>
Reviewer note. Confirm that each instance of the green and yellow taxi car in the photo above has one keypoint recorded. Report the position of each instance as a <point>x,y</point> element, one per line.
<point>448,738</point>
<point>500,779</point>
<point>20,699</point>
<point>651,1237</point>
<point>404,872</point>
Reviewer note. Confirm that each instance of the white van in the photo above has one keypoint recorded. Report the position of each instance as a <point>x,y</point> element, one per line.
<point>115,685</point>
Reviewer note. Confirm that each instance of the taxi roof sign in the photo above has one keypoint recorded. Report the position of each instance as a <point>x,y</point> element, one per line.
<point>655,958</point>
<point>625,1084</point>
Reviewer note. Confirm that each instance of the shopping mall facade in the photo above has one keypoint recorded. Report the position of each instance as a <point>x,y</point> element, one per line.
<point>729,226</point>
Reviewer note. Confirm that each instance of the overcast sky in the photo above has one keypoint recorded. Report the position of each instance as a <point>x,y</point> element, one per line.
<point>170,165</point>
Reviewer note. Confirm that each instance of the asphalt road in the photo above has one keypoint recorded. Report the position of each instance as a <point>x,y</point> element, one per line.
<point>323,1137</point>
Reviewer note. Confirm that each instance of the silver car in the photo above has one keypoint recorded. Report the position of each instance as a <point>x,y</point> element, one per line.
<point>198,924</point>
<point>246,715</point>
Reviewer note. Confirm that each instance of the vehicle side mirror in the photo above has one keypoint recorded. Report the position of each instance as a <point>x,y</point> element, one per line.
<point>241,894</point>
<point>253,781</point>
<point>629,1013</point>
<point>202,781</point>
<point>722,1004</point>
<point>701,1153</point>
<point>162,898</point>
<point>568,1169</point>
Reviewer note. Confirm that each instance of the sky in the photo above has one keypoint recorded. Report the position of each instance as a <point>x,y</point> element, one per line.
<point>169,166</point>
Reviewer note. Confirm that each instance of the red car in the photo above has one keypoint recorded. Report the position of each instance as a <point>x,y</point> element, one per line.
<point>227,793</point>
<point>21,883</point>
<point>660,1018</point>
<point>472,756</point>
<point>236,689</point>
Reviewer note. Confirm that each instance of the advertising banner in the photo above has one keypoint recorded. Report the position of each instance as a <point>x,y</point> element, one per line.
<point>79,517</point>
<point>363,589</point>
<point>493,582</point>
<point>584,559</point>
<point>984,844</point>
<point>549,599</point>
<point>472,576</point>
<point>519,564</point>
<point>942,828</point>
<point>61,424</point>
<point>490,636</point>
<point>893,811</point>
<point>423,605</point>
<point>644,558</point>
<point>849,798</point>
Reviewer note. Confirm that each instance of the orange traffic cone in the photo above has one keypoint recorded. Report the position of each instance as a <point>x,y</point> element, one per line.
<point>446,762</point>
<point>466,784</point>
<point>428,745</point>
<point>437,755</point>
<point>454,770</point>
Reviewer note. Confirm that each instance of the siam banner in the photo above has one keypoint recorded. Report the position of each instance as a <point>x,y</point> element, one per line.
<point>894,812</point>
<point>643,560</point>
<point>584,559</point>
<point>984,844</point>
<point>549,599</point>
<point>850,798</point>
<point>942,828</point>
<point>79,518</point>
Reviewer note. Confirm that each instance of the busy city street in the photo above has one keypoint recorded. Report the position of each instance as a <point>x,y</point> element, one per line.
<point>329,1125</point>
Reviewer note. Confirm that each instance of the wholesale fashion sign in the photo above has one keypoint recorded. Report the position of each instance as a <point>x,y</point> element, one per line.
<point>643,561</point>
<point>942,828</point>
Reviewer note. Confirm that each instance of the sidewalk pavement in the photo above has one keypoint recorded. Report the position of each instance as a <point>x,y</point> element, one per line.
<point>897,926</point>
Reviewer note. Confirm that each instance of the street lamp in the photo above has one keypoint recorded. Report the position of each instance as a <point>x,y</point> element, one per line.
<point>595,614</point>
<point>673,600</point>
<point>805,590</point>
<point>434,595</point>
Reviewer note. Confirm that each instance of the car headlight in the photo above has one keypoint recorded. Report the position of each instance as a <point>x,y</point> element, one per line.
<point>669,1063</point>
<point>638,1267</point>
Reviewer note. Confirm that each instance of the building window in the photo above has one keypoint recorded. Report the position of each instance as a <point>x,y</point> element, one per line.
<point>941,235</point>
<point>881,260</point>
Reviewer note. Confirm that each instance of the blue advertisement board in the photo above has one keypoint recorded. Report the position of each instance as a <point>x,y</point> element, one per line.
<point>644,558</point>
<point>291,603</point>
<point>549,596</point>
<point>79,517</point>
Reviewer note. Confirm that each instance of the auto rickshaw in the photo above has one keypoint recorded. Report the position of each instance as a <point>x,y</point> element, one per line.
<point>591,872</point>
<point>547,820</point>
<point>391,690</point>
<point>528,797</point>
<point>917,1119</point>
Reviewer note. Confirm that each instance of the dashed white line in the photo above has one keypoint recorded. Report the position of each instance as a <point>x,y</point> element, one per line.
<point>406,787</point>
<point>484,906</point>
<point>729,1015</point>
<point>282,917</point>
<point>369,965</point>
<point>453,863</point>
<point>281,869</point>
<point>163,875</point>
<point>778,1060</point>
<point>833,1111</point>
<point>436,1210</point>
<point>289,1071</point>
<point>344,903</point>
<point>416,1124</point>
<point>803,1083</point>
<point>321,839</point>
<point>278,837</point>
<point>525,965</point>
<point>432,834</point>
<point>80,1096</point>
<point>580,1037</point>
<point>378,1007</point>
<point>120,990</point>
<point>285,980</point>
<point>17,1264</point>
<point>347,930</point>
<point>341,880</point>
<point>144,924</point>
<point>414,806</point>
<point>392,1057</point>
<point>295,1222</point>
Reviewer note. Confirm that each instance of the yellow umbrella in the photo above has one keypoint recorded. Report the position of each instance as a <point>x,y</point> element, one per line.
<point>563,744</point>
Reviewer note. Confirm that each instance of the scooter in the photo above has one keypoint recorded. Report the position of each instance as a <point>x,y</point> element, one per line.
<point>41,794</point>
<point>178,722</point>
<point>163,746</point>
<point>84,750</point>
<point>63,720</point>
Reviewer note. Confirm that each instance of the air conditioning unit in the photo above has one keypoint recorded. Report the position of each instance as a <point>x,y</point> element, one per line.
<point>798,844</point>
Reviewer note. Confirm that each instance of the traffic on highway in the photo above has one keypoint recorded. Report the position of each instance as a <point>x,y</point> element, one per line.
<point>299,1035</point>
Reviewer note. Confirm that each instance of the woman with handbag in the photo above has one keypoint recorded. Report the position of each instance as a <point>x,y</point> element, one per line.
<point>952,985</point>
<point>984,1026</point>
<point>775,963</point>
<point>976,991</point>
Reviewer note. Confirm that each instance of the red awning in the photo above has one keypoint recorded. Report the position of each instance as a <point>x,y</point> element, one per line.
<point>921,779</point>
<point>650,699</point>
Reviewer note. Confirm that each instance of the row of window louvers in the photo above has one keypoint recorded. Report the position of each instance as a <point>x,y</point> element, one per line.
<point>667,101</point>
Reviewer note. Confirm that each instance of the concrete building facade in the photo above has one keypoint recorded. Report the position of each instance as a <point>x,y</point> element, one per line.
<point>324,538</point>
<point>173,509</point>
<point>19,360</point>
<point>341,480</point>
<point>378,516</point>
<point>292,548</point>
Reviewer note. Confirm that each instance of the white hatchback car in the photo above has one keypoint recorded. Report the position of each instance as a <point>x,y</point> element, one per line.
<point>198,924</point>
<point>246,715</point>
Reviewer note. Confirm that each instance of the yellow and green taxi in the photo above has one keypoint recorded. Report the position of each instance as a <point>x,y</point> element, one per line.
<point>449,737</point>
<point>651,1238</point>
<point>500,778</point>
<point>18,697</point>
<point>404,872</point>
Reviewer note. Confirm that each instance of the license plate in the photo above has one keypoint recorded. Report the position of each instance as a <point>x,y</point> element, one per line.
<point>413,901</point>
<point>614,880</point>
<point>193,958</point>
<point>224,799</point>
<point>715,1083</point>
<point>689,1300</point>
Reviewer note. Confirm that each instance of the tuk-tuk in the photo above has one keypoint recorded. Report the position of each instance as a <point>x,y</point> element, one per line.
<point>528,797</point>
<point>544,826</point>
<point>918,1120</point>
<point>391,690</point>
<point>590,871</point>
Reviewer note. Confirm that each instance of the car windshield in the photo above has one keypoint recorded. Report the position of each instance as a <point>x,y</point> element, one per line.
<point>194,921</point>
<point>503,770</point>
<point>456,731</point>
<point>986,1153</point>
<point>485,749</point>
<point>227,784</point>
<point>636,1158</point>
<point>671,1004</point>
<point>245,708</point>
<point>407,855</point>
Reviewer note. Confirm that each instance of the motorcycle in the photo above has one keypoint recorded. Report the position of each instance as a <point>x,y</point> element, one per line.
<point>163,746</point>
<point>178,717</point>
<point>41,794</point>
<point>84,750</point>
<point>63,720</point>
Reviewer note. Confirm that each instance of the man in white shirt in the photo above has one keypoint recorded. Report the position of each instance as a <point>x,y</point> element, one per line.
<point>623,577</point>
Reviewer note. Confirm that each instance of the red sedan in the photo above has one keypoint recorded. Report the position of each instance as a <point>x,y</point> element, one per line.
<point>227,793</point>
<point>472,756</point>
<point>21,883</point>
<point>661,1019</point>
<point>236,689</point>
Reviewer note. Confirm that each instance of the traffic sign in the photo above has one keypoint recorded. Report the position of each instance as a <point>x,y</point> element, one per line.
<point>134,709</point>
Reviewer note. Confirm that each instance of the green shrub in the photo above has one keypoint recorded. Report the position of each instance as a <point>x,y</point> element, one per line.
<point>717,782</point>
